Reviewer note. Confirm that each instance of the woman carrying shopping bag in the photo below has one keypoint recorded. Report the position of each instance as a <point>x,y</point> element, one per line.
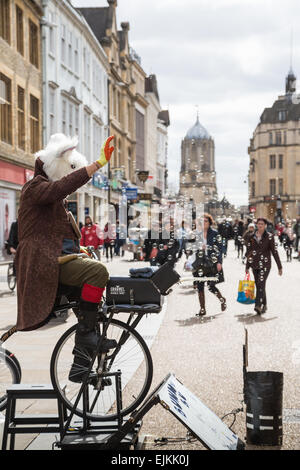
<point>260,246</point>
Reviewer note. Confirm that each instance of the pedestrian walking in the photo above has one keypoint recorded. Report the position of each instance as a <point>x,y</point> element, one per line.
<point>226,231</point>
<point>240,240</point>
<point>296,230</point>
<point>90,235</point>
<point>260,246</point>
<point>12,241</point>
<point>109,241</point>
<point>120,239</point>
<point>288,238</point>
<point>209,257</point>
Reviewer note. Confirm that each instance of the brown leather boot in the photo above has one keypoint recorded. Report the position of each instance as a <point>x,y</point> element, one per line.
<point>202,304</point>
<point>222,299</point>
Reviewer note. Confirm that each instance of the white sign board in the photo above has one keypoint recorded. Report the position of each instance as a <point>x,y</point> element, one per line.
<point>196,416</point>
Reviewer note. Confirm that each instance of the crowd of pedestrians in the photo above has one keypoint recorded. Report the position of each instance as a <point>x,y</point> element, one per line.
<point>204,246</point>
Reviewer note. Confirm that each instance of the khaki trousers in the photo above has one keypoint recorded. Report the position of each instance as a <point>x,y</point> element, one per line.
<point>80,271</point>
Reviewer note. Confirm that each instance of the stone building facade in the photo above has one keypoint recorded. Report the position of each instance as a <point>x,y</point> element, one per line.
<point>20,102</point>
<point>274,151</point>
<point>75,71</point>
<point>133,107</point>
<point>197,174</point>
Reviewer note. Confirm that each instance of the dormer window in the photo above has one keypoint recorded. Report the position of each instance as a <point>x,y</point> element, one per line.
<point>282,115</point>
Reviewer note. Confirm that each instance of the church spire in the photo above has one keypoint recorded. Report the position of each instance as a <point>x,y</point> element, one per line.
<point>290,82</point>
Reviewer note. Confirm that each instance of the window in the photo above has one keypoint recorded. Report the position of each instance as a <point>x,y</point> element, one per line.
<point>77,121</point>
<point>21,118</point>
<point>282,115</point>
<point>64,116</point>
<point>51,33</point>
<point>70,51</point>
<point>5,109</point>
<point>63,43</point>
<point>272,187</point>
<point>5,20</point>
<point>34,124</point>
<point>270,138</point>
<point>253,189</point>
<point>284,137</point>
<point>33,44</point>
<point>19,30</point>
<point>278,138</point>
<point>76,60</point>
<point>71,123</point>
<point>129,117</point>
<point>97,133</point>
<point>129,164</point>
<point>280,186</point>
<point>280,162</point>
<point>52,109</point>
<point>272,162</point>
<point>87,136</point>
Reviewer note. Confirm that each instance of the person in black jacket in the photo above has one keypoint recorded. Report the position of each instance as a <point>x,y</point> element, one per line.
<point>12,241</point>
<point>226,231</point>
<point>212,249</point>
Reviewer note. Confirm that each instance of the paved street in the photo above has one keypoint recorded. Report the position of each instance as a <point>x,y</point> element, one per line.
<point>205,355</point>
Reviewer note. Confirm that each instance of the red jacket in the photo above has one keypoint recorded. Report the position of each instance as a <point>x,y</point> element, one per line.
<point>89,236</point>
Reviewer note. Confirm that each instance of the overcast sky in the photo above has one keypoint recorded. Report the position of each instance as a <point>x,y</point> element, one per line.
<point>229,57</point>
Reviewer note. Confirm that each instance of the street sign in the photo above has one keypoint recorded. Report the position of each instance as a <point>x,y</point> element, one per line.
<point>131,193</point>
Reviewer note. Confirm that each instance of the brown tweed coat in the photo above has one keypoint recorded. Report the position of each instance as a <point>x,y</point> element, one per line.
<point>42,226</point>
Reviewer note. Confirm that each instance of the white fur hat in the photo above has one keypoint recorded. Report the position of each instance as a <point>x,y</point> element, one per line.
<point>60,156</point>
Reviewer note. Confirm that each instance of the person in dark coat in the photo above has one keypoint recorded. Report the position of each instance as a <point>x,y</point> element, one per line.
<point>212,248</point>
<point>13,241</point>
<point>260,247</point>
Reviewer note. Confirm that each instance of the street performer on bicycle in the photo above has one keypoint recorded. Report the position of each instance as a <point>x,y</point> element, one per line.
<point>48,253</point>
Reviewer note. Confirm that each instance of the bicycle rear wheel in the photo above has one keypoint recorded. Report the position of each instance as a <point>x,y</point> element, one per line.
<point>10,373</point>
<point>132,357</point>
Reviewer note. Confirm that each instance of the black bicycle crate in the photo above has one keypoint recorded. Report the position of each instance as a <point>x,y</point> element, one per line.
<point>141,290</point>
<point>131,291</point>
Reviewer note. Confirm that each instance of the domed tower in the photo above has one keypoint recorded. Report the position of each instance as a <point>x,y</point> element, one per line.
<point>197,174</point>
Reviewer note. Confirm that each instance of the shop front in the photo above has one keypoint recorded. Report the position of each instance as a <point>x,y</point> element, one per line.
<point>12,179</point>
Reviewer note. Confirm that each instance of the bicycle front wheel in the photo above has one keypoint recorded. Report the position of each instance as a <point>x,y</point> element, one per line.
<point>10,373</point>
<point>132,357</point>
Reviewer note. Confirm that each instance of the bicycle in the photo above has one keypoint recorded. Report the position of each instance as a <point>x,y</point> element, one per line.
<point>11,276</point>
<point>129,361</point>
<point>10,373</point>
<point>96,397</point>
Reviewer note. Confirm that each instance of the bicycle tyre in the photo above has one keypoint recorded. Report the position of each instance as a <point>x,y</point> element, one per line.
<point>10,373</point>
<point>11,278</point>
<point>68,391</point>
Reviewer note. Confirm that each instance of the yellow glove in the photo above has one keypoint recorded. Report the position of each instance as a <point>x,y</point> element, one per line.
<point>106,152</point>
<point>84,250</point>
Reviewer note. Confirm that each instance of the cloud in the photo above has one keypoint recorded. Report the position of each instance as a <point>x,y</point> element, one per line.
<point>229,57</point>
